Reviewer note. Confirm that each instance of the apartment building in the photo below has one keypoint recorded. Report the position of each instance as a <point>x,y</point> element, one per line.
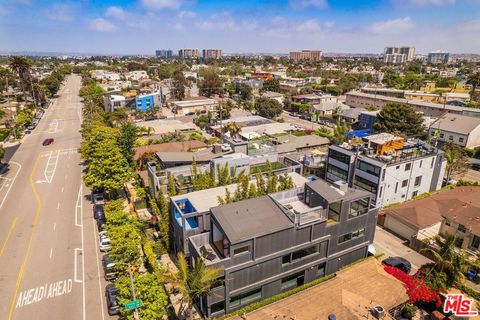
<point>113,102</point>
<point>356,99</point>
<point>188,53</point>
<point>146,101</point>
<point>311,55</point>
<point>391,168</point>
<point>398,54</point>
<point>164,54</point>
<point>190,105</point>
<point>138,75</point>
<point>274,243</point>
<point>212,53</point>
<point>436,57</point>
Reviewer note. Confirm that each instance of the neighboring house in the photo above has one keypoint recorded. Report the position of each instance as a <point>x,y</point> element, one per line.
<point>113,102</point>
<point>393,169</point>
<point>105,75</point>
<point>461,209</point>
<point>274,95</point>
<point>137,75</point>
<point>277,242</point>
<point>418,219</point>
<point>350,116</point>
<point>459,129</point>
<point>191,105</point>
<point>367,119</point>
<point>147,101</point>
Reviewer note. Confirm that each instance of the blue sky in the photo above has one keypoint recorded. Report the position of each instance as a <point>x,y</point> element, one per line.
<point>141,26</point>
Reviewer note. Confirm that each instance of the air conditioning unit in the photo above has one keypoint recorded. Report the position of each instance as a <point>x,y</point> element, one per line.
<point>378,312</point>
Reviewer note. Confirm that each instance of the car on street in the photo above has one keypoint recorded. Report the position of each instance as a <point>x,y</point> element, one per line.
<point>101,224</point>
<point>111,294</point>
<point>47,142</point>
<point>104,244</point>
<point>98,212</point>
<point>109,268</point>
<point>399,263</point>
<point>4,167</point>
<point>97,198</point>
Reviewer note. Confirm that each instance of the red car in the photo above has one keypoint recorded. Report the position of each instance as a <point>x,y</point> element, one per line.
<point>48,141</point>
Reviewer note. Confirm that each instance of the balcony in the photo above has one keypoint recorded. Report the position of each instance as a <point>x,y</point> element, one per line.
<point>206,250</point>
<point>297,209</point>
<point>182,211</point>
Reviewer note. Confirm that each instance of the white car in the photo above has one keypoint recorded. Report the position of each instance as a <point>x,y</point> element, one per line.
<point>104,244</point>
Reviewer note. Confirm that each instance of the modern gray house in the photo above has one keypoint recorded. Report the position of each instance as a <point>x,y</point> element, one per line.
<point>277,242</point>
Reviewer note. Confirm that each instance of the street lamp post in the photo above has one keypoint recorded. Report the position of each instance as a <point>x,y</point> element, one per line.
<point>130,273</point>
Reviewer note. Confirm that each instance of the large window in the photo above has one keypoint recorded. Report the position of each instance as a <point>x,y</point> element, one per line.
<point>359,207</point>
<point>339,156</point>
<point>245,298</point>
<point>293,281</point>
<point>351,235</point>
<point>336,171</point>
<point>300,254</point>
<point>418,181</point>
<point>334,212</point>
<point>241,250</point>
<point>217,307</point>
<point>321,270</point>
<point>368,168</point>
<point>366,184</point>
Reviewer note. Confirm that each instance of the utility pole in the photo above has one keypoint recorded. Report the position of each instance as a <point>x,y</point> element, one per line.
<point>135,313</point>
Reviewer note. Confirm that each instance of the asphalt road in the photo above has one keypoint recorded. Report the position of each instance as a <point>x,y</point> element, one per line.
<point>49,262</point>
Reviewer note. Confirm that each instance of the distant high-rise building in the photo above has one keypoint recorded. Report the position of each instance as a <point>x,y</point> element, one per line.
<point>188,53</point>
<point>212,53</point>
<point>438,57</point>
<point>164,53</point>
<point>312,55</point>
<point>393,54</point>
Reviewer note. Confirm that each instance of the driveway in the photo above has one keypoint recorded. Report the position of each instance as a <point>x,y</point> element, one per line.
<point>393,246</point>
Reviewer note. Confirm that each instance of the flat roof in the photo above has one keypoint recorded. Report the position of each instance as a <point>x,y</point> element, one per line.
<point>250,218</point>
<point>200,156</point>
<point>456,123</point>
<point>162,126</point>
<point>333,194</point>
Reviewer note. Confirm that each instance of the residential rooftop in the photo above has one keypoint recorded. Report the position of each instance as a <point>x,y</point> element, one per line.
<point>456,123</point>
<point>336,191</point>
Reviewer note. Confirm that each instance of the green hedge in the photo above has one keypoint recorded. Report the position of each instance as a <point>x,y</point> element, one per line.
<point>283,295</point>
<point>4,134</point>
<point>469,291</point>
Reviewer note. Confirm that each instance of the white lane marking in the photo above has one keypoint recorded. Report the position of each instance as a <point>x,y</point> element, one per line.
<point>98,269</point>
<point>58,205</point>
<point>78,251</point>
<point>54,226</point>
<point>66,176</point>
<point>63,188</point>
<point>13,180</point>
<point>46,291</point>
<point>51,252</point>
<point>79,208</point>
<point>51,166</point>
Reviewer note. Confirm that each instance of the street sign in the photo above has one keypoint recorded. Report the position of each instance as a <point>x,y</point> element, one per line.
<point>133,305</point>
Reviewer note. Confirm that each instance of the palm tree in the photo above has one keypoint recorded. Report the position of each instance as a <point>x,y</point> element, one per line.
<point>194,283</point>
<point>474,80</point>
<point>457,162</point>
<point>233,128</point>
<point>21,66</point>
<point>447,258</point>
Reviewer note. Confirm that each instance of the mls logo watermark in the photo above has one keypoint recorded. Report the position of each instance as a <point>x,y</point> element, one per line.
<point>459,305</point>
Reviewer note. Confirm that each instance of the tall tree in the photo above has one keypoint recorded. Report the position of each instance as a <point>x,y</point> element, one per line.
<point>21,66</point>
<point>457,160</point>
<point>179,83</point>
<point>267,107</point>
<point>271,84</point>
<point>233,128</point>
<point>400,118</point>
<point>211,84</point>
<point>245,91</point>
<point>126,140</point>
<point>172,189</point>
<point>474,80</point>
<point>340,133</point>
<point>163,222</point>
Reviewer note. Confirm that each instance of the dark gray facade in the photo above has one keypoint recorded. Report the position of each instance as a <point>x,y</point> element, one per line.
<point>274,243</point>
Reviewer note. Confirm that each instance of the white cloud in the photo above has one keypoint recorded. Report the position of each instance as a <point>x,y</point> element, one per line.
<point>279,21</point>
<point>102,25</point>
<point>60,12</point>
<point>116,12</point>
<point>161,4</point>
<point>302,4</point>
<point>309,26</point>
<point>187,14</point>
<point>394,26</point>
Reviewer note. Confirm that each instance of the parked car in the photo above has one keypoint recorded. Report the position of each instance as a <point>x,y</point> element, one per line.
<point>101,224</point>
<point>48,141</point>
<point>97,198</point>
<point>104,244</point>
<point>98,211</point>
<point>109,268</point>
<point>111,293</point>
<point>399,263</point>
<point>4,167</point>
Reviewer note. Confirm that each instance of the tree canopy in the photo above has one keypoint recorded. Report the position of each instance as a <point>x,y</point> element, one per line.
<point>267,107</point>
<point>400,119</point>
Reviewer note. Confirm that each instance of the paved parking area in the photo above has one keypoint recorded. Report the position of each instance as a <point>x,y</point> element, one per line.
<point>394,246</point>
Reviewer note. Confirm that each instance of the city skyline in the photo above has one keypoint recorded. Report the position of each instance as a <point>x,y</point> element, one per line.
<point>111,27</point>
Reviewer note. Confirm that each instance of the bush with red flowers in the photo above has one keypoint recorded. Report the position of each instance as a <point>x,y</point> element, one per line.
<point>417,290</point>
